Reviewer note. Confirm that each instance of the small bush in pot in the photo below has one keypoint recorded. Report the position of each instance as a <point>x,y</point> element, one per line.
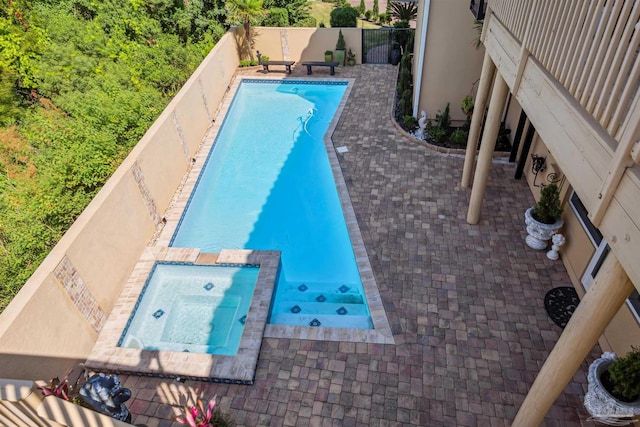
<point>548,209</point>
<point>624,373</point>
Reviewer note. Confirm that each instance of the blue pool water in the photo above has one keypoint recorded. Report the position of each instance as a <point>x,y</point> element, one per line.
<point>267,184</point>
<point>194,308</point>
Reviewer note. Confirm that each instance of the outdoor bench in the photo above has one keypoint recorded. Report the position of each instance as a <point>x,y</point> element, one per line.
<point>265,64</point>
<point>287,64</point>
<point>333,66</point>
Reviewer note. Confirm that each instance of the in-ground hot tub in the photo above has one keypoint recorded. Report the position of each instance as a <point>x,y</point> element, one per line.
<point>190,334</point>
<point>192,308</point>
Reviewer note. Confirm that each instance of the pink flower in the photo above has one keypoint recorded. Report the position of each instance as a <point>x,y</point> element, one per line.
<point>196,416</point>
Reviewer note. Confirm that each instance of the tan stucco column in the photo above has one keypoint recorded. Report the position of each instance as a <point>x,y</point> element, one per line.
<point>492,126</point>
<point>602,301</point>
<point>480,103</point>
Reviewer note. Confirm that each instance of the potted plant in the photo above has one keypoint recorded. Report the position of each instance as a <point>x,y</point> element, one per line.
<point>328,56</point>
<point>351,58</point>
<point>614,386</point>
<point>467,105</point>
<point>339,53</point>
<point>543,220</point>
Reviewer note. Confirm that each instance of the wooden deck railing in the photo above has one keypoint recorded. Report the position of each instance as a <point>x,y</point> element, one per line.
<point>589,46</point>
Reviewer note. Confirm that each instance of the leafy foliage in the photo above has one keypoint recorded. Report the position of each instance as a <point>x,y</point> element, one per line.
<point>340,44</point>
<point>548,209</point>
<point>443,120</point>
<point>404,10</point>
<point>344,17</point>
<point>297,10</point>
<point>376,9</point>
<point>276,17</point>
<point>459,137</point>
<point>80,82</point>
<point>625,374</point>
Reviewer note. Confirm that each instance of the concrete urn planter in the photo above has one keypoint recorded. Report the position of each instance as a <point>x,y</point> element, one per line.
<point>602,406</point>
<point>539,233</point>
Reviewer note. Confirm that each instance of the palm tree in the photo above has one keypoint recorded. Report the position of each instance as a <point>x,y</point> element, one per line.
<point>244,11</point>
<point>404,10</point>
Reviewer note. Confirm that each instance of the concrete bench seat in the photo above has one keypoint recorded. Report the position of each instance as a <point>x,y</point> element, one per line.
<point>332,66</point>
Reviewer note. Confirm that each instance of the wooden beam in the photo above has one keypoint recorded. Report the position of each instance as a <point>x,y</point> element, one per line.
<point>619,163</point>
<point>601,302</point>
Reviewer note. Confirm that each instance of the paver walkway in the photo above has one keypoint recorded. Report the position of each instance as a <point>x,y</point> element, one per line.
<point>465,301</point>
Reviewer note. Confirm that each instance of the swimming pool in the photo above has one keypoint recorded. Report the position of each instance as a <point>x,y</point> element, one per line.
<point>267,185</point>
<point>192,308</point>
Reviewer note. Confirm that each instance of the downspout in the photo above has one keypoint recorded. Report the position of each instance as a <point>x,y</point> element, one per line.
<point>423,40</point>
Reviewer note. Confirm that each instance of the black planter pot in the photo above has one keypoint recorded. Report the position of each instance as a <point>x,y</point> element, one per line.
<point>394,56</point>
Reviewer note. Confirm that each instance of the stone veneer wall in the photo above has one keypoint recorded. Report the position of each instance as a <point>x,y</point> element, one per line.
<point>54,320</point>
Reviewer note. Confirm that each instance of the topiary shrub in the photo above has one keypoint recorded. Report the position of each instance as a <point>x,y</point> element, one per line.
<point>344,17</point>
<point>548,209</point>
<point>340,44</point>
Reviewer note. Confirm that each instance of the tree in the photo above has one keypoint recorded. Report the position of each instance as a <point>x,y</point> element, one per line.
<point>404,11</point>
<point>344,17</point>
<point>376,9</point>
<point>361,7</point>
<point>245,11</point>
<point>297,10</point>
<point>276,17</point>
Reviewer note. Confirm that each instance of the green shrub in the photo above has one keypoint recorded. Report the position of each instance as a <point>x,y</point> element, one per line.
<point>382,18</point>
<point>340,44</point>
<point>368,14</point>
<point>308,22</point>
<point>410,122</point>
<point>244,62</point>
<point>254,62</point>
<point>548,209</point>
<point>406,102</point>
<point>344,17</point>
<point>376,9</point>
<point>443,120</point>
<point>467,105</point>
<point>405,80</point>
<point>625,373</point>
<point>276,17</point>
<point>438,134</point>
<point>459,137</point>
<point>361,7</point>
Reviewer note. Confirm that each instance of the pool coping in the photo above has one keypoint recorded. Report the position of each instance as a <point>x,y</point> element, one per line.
<point>238,369</point>
<point>381,332</point>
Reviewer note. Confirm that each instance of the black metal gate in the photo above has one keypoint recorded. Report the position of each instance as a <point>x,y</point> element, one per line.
<point>378,44</point>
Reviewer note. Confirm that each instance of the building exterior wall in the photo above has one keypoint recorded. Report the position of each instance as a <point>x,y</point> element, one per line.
<point>452,63</point>
<point>576,253</point>
<point>53,321</point>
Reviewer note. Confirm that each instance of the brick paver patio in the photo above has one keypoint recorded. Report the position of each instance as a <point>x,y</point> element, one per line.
<point>465,302</point>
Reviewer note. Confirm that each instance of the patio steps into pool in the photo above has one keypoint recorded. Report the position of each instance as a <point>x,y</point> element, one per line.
<point>322,305</point>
